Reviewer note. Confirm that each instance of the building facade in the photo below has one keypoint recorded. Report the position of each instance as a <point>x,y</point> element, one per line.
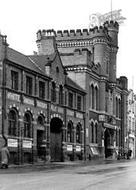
<point>42,109</point>
<point>131,123</point>
<point>64,102</point>
<point>89,57</point>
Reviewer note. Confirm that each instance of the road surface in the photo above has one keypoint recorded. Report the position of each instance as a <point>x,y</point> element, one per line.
<point>106,176</point>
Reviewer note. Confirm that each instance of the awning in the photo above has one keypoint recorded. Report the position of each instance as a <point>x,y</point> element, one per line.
<point>107,125</point>
<point>94,151</point>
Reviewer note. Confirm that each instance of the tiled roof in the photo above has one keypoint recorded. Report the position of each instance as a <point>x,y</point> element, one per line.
<point>42,60</point>
<point>22,60</point>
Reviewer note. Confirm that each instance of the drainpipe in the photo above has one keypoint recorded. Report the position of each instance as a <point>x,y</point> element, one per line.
<point>4,88</point>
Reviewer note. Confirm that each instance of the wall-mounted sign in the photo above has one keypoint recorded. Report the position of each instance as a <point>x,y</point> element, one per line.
<point>28,101</point>
<point>60,110</point>
<point>69,147</point>
<point>101,117</point>
<point>27,144</point>
<point>70,113</point>
<point>78,148</point>
<point>41,104</point>
<point>79,115</point>
<point>13,96</point>
<point>12,143</point>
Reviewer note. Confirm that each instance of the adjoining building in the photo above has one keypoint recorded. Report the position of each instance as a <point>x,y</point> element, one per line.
<point>131,124</point>
<point>89,57</point>
<point>64,102</point>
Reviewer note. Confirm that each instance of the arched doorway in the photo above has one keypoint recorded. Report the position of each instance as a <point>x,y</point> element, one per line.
<point>56,139</point>
<point>107,143</point>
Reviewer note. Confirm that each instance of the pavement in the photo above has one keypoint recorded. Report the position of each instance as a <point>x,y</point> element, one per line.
<point>58,165</point>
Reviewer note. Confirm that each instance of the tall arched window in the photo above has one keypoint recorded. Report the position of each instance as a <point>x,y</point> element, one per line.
<point>96,98</point>
<point>119,108</point>
<point>70,132</point>
<point>12,120</point>
<point>27,125</point>
<point>116,107</point>
<point>92,132</point>
<point>92,96</point>
<point>78,133</point>
<point>61,95</point>
<point>53,92</point>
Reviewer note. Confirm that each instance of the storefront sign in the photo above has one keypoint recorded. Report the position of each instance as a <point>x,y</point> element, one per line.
<point>101,117</point>
<point>12,143</point>
<point>78,148</point>
<point>54,108</point>
<point>28,101</point>
<point>13,96</point>
<point>70,113</point>
<point>41,105</point>
<point>27,144</point>
<point>79,115</point>
<point>60,110</point>
<point>69,147</point>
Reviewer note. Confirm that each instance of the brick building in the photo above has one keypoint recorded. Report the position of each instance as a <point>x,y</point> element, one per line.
<point>89,57</point>
<point>64,102</point>
<point>42,109</point>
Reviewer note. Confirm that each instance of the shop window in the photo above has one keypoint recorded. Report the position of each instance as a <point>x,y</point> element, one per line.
<point>29,85</point>
<point>41,89</point>
<point>78,133</point>
<point>14,80</point>
<point>27,125</point>
<point>96,132</point>
<point>40,120</point>
<point>12,120</point>
<point>70,132</point>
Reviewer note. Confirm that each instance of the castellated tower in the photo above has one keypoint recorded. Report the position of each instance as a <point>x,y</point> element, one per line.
<point>46,42</point>
<point>101,42</point>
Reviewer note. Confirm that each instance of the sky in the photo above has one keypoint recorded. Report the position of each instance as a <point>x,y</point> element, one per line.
<point>21,19</point>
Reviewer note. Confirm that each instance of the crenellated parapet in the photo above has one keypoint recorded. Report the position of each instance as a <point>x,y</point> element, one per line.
<point>71,34</point>
<point>111,24</point>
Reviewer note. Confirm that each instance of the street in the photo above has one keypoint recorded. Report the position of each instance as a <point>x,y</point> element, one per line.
<point>105,176</point>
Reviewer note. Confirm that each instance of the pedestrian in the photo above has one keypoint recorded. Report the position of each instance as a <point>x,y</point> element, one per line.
<point>4,157</point>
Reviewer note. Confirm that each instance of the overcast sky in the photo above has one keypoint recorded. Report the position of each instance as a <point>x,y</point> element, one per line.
<point>21,19</point>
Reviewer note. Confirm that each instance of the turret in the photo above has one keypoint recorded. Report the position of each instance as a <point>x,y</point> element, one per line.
<point>46,42</point>
<point>113,29</point>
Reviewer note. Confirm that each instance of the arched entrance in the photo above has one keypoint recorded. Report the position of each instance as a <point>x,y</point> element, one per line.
<point>56,139</point>
<point>107,143</point>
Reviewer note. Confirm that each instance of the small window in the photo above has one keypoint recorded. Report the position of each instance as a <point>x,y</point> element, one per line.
<point>70,100</point>
<point>79,102</point>
<point>14,80</point>
<point>57,70</point>
<point>29,85</point>
<point>53,92</point>
<point>41,89</point>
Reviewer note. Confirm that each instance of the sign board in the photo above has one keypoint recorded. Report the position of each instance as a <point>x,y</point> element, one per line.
<point>12,143</point>
<point>69,147</point>
<point>27,144</point>
<point>78,148</point>
<point>101,117</point>
<point>13,96</point>
<point>98,19</point>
